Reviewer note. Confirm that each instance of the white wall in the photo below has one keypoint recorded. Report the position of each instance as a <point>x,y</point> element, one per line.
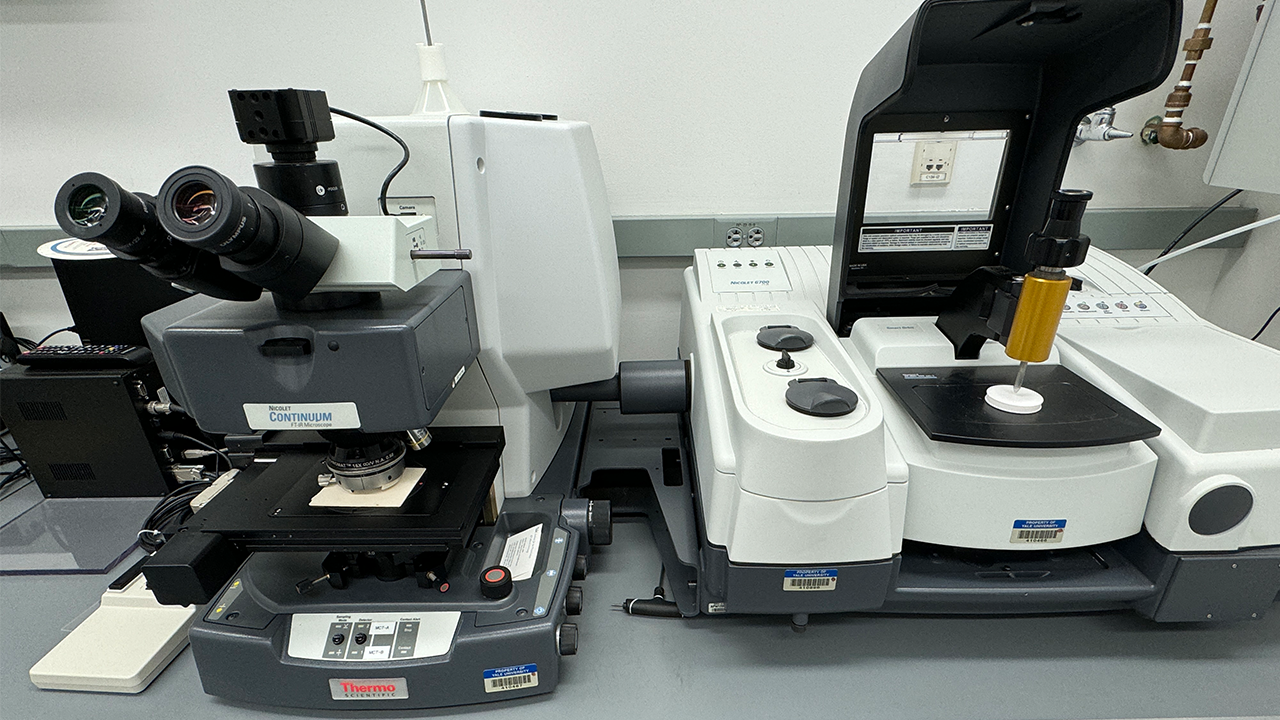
<point>698,108</point>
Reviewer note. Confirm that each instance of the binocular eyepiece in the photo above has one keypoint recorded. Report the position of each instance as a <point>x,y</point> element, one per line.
<point>202,233</point>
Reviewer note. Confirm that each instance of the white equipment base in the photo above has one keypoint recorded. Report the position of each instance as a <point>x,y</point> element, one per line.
<point>120,648</point>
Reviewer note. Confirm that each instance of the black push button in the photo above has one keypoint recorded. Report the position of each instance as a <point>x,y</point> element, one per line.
<point>495,582</point>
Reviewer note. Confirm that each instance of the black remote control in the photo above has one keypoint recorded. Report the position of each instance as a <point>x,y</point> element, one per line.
<point>84,357</point>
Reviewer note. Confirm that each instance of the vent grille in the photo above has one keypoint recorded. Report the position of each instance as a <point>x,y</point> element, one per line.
<point>36,411</point>
<point>72,472</point>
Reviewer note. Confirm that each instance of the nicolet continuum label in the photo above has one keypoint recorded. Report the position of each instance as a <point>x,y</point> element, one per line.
<point>302,416</point>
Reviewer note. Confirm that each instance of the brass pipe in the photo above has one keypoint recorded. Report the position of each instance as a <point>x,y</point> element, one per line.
<point>1170,133</point>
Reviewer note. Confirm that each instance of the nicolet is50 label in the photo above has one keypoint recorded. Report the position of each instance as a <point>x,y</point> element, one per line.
<point>302,416</point>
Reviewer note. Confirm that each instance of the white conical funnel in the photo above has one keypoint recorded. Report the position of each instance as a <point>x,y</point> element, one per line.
<point>436,98</point>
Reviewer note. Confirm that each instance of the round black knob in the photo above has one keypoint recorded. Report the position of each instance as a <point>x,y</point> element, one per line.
<point>573,601</point>
<point>599,522</point>
<point>785,362</point>
<point>361,638</point>
<point>821,397</point>
<point>567,639</point>
<point>1061,244</point>
<point>495,582</point>
<point>580,567</point>
<point>784,337</point>
<point>338,639</point>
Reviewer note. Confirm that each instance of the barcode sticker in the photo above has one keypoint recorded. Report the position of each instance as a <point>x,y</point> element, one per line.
<point>513,677</point>
<point>1038,531</point>
<point>809,579</point>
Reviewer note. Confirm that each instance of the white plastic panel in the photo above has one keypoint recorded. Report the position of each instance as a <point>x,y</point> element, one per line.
<point>359,637</point>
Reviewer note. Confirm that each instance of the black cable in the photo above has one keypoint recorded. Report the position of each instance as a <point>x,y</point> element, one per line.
<point>1265,324</point>
<point>1192,226</point>
<point>386,184</point>
<point>68,328</point>
<point>173,507</point>
<point>168,435</point>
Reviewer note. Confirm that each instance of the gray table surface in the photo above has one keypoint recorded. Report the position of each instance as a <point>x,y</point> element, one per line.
<point>1113,665</point>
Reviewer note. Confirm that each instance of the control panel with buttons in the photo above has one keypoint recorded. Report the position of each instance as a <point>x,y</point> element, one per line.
<point>371,637</point>
<point>747,270</point>
<point>1099,306</point>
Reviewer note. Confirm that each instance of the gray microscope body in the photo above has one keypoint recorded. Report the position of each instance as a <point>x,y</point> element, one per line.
<point>356,558</point>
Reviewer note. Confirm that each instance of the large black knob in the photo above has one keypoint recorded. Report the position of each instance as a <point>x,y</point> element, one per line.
<point>784,337</point>
<point>573,601</point>
<point>599,522</point>
<point>821,397</point>
<point>1061,244</point>
<point>567,639</point>
<point>580,567</point>
<point>495,582</point>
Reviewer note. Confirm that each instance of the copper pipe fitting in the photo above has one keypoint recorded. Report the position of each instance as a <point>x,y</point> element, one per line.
<point>1170,132</point>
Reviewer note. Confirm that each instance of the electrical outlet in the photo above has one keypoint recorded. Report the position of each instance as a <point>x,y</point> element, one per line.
<point>934,163</point>
<point>745,232</point>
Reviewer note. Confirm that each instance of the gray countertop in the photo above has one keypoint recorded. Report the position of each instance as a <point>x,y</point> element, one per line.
<point>1085,666</point>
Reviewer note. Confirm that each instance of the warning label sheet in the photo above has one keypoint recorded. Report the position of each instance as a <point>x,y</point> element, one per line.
<point>924,238</point>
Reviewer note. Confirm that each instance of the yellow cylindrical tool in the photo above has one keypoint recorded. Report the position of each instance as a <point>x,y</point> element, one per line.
<point>1035,322</point>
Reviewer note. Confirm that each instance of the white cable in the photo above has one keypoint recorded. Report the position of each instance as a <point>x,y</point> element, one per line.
<point>1210,241</point>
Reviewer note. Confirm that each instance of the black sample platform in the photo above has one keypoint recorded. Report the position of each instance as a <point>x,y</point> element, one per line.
<point>269,509</point>
<point>949,404</point>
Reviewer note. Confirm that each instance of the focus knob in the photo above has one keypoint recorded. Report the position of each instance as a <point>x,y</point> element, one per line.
<point>495,582</point>
<point>573,601</point>
<point>567,639</point>
<point>599,522</point>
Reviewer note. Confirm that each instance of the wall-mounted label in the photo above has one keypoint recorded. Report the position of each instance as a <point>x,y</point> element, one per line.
<point>302,416</point>
<point>369,688</point>
<point>924,238</point>
<point>514,677</point>
<point>809,579</point>
<point>1038,531</point>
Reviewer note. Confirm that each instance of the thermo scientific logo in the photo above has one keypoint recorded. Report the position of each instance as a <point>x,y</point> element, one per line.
<point>368,688</point>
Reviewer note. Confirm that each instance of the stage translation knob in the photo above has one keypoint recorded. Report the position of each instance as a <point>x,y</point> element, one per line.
<point>495,582</point>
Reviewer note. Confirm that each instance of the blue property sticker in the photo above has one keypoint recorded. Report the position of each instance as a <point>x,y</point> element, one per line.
<point>512,677</point>
<point>1039,524</point>
<point>1038,531</point>
<point>809,579</point>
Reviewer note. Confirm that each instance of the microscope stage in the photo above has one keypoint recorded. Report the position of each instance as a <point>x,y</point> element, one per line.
<point>269,509</point>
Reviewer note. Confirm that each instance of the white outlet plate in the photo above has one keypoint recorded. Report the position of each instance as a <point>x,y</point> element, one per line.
<point>724,225</point>
<point>934,162</point>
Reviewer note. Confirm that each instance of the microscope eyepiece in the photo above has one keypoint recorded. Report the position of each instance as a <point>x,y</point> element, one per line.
<point>87,205</point>
<point>258,237</point>
<point>195,203</point>
<point>92,206</point>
